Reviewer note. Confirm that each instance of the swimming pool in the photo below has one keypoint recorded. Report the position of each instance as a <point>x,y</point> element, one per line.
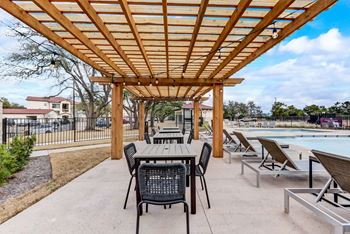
<point>331,144</point>
<point>280,130</point>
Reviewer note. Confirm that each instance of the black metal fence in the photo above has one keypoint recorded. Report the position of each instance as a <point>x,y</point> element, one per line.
<point>63,131</point>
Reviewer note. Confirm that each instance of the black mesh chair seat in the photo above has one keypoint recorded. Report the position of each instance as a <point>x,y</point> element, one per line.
<point>162,184</point>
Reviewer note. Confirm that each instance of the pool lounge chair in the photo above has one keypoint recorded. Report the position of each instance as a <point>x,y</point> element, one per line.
<point>246,149</point>
<point>277,162</point>
<point>338,167</point>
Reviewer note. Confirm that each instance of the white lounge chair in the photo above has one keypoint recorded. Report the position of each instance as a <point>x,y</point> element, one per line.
<point>276,162</point>
<point>338,167</point>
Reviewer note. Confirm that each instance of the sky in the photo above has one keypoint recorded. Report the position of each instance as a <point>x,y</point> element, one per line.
<point>312,66</point>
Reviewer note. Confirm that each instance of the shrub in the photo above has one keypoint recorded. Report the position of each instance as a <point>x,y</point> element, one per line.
<point>4,171</point>
<point>21,148</point>
<point>15,157</point>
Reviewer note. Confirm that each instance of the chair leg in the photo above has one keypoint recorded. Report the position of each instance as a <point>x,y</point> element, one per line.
<point>187,219</point>
<point>201,182</point>
<point>206,191</point>
<point>127,193</point>
<point>138,218</point>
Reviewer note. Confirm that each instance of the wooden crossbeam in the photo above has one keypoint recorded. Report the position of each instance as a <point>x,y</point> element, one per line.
<point>126,10</point>
<point>197,91</point>
<point>261,26</point>
<point>166,37</point>
<point>168,99</point>
<point>300,4</point>
<point>308,15</point>
<point>187,91</point>
<point>17,12</point>
<point>201,13</point>
<point>205,91</point>
<point>47,6</point>
<point>167,82</point>
<point>237,13</point>
<point>91,13</point>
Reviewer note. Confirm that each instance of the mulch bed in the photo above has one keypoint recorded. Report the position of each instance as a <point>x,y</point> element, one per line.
<point>36,172</point>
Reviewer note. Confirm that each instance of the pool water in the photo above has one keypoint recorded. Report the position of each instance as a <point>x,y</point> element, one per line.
<point>280,130</point>
<point>335,145</point>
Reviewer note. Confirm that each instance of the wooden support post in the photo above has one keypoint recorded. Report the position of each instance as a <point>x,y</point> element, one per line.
<point>141,120</point>
<point>117,121</point>
<point>196,119</point>
<point>218,94</point>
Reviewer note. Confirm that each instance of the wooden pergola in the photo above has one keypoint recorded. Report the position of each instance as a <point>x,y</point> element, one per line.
<point>166,49</point>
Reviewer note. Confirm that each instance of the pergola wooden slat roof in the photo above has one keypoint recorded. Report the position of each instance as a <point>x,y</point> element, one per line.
<point>166,39</point>
<point>166,49</point>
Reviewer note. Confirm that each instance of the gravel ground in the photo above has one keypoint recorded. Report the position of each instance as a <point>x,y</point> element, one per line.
<point>37,171</point>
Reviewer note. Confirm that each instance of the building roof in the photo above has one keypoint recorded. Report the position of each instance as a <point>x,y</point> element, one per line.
<point>23,111</point>
<point>201,106</point>
<point>47,99</point>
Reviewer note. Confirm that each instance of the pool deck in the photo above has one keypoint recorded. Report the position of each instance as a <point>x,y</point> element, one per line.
<point>92,203</point>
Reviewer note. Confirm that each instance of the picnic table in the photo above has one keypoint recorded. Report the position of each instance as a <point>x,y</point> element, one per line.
<point>160,138</point>
<point>170,130</point>
<point>174,152</point>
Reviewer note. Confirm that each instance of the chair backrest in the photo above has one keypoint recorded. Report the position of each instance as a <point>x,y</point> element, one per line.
<point>276,152</point>
<point>129,151</point>
<point>190,137</point>
<point>153,131</point>
<point>229,137</point>
<point>162,182</point>
<point>244,141</point>
<point>205,156</point>
<point>147,139</point>
<point>337,166</point>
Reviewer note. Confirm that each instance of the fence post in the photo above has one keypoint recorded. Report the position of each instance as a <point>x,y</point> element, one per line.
<point>4,131</point>
<point>74,130</point>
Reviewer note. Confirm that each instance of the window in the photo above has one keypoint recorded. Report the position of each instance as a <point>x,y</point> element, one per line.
<point>55,105</point>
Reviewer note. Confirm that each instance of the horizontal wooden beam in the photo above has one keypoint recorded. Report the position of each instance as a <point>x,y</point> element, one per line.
<point>167,82</point>
<point>163,99</point>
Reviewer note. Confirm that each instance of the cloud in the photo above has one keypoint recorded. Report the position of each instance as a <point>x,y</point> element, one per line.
<point>314,71</point>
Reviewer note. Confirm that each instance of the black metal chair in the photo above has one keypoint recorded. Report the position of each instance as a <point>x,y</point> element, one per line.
<point>153,132</point>
<point>202,166</point>
<point>190,137</point>
<point>129,151</point>
<point>147,139</point>
<point>162,184</point>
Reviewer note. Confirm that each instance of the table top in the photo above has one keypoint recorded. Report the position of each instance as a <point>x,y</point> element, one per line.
<point>170,131</point>
<point>168,135</point>
<point>166,150</point>
<point>170,128</point>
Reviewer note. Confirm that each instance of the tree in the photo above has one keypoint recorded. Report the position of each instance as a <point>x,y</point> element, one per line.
<point>233,110</point>
<point>293,111</point>
<point>6,104</point>
<point>166,109</point>
<point>34,60</point>
<point>314,109</point>
<point>279,109</point>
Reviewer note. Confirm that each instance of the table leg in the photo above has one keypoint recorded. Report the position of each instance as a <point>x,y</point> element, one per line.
<point>262,152</point>
<point>193,186</point>
<point>310,173</point>
<point>138,197</point>
<point>187,176</point>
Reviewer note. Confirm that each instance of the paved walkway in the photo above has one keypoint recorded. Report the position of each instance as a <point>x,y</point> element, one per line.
<point>92,203</point>
<point>39,153</point>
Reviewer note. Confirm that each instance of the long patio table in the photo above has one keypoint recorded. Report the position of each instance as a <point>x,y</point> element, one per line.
<point>178,152</point>
<point>159,138</point>
<point>169,130</point>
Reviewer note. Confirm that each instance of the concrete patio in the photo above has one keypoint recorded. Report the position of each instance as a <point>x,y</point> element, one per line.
<point>92,203</point>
